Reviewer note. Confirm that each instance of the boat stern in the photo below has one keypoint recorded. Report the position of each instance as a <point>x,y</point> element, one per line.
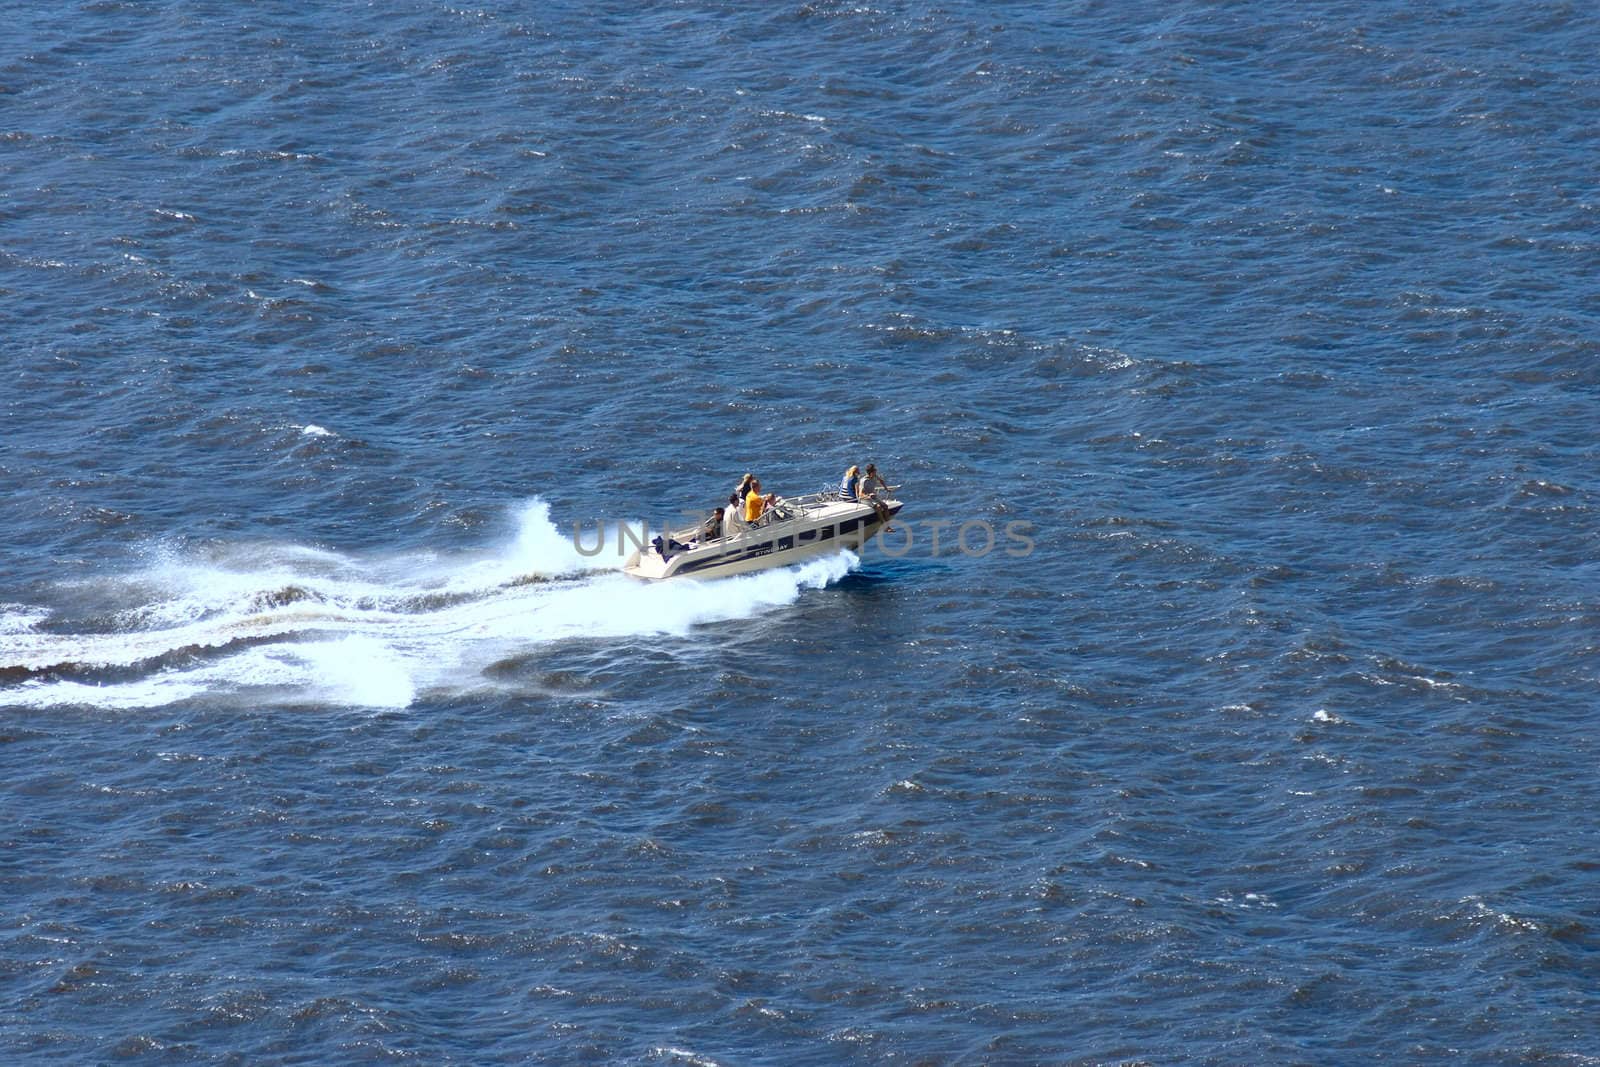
<point>646,565</point>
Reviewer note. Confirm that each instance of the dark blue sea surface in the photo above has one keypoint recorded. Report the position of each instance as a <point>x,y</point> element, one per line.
<point>1271,738</point>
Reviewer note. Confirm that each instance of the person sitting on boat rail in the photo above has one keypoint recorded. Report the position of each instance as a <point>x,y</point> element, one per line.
<point>869,489</point>
<point>755,503</point>
<point>872,481</point>
<point>850,483</point>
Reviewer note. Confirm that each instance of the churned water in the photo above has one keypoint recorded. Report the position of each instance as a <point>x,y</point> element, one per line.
<point>1263,338</point>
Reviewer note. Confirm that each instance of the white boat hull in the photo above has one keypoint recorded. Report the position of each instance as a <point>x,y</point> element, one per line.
<point>812,528</point>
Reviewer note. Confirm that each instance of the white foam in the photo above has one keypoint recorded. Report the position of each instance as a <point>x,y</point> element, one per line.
<point>20,618</point>
<point>285,622</point>
<point>688,1056</point>
<point>147,693</point>
<point>359,670</point>
<point>539,549</point>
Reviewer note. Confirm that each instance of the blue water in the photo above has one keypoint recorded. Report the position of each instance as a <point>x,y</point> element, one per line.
<point>1278,325</point>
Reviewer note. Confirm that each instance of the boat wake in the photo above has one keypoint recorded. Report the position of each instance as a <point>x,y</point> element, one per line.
<point>289,624</point>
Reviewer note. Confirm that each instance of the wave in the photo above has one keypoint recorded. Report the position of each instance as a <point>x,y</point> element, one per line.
<point>294,624</point>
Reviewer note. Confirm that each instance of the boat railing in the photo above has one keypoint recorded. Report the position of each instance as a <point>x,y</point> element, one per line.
<point>785,512</point>
<point>822,496</point>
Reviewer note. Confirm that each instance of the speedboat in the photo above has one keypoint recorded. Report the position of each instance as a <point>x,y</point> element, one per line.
<point>788,531</point>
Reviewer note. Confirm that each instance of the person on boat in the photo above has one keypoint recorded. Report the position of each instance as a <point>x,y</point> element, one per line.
<point>872,481</point>
<point>869,489</point>
<point>711,529</point>
<point>850,484</point>
<point>736,501</point>
<point>755,503</point>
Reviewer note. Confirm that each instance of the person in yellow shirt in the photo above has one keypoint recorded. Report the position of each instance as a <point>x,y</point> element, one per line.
<point>755,503</point>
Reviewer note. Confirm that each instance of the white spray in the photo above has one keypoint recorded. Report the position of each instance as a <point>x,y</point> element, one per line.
<point>288,623</point>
